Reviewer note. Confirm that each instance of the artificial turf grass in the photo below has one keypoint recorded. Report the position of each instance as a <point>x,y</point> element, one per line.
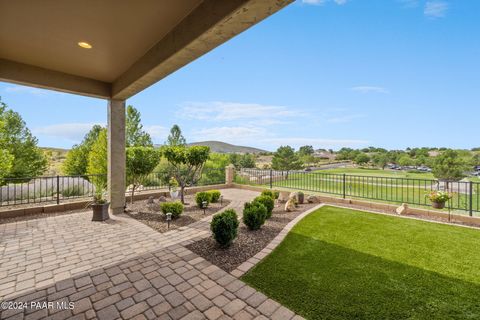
<point>344,264</point>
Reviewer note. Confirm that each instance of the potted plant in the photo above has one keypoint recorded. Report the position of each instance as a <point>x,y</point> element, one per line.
<point>100,207</point>
<point>173,188</point>
<point>301,197</point>
<point>439,198</point>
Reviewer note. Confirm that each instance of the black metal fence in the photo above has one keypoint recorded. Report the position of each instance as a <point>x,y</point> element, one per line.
<point>56,189</point>
<point>466,194</point>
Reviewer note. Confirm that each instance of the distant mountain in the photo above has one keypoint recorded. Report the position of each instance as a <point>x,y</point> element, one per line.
<point>222,147</point>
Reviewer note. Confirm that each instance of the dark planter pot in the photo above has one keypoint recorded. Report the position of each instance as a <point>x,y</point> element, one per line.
<point>301,198</point>
<point>100,212</point>
<point>438,205</point>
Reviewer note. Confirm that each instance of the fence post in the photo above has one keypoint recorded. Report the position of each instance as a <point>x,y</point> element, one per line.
<point>229,174</point>
<point>58,189</point>
<point>470,198</point>
<point>344,186</point>
<point>271,179</point>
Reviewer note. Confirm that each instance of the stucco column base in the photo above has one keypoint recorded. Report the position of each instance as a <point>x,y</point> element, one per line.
<point>116,155</point>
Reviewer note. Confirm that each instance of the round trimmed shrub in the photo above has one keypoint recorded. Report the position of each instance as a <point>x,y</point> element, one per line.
<point>214,195</point>
<point>254,215</point>
<point>268,193</point>
<point>200,197</point>
<point>224,227</point>
<point>268,202</point>
<point>176,208</point>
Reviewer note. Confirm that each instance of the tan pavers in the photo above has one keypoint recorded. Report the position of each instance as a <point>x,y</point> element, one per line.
<point>121,269</point>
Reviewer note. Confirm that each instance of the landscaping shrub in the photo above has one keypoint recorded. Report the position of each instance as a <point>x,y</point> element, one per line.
<point>202,196</point>
<point>254,215</point>
<point>73,191</point>
<point>268,202</point>
<point>215,195</point>
<point>224,227</point>
<point>268,193</point>
<point>176,208</point>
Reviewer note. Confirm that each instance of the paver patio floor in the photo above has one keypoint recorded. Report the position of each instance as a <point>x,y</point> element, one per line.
<point>120,269</point>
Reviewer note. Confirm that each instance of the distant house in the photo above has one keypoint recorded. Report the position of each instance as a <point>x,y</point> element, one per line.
<point>433,153</point>
<point>322,154</point>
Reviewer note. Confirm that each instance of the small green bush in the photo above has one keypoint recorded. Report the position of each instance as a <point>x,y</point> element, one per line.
<point>268,193</point>
<point>254,215</point>
<point>224,227</point>
<point>73,191</point>
<point>215,195</point>
<point>276,194</point>
<point>202,196</point>
<point>268,202</point>
<point>176,208</point>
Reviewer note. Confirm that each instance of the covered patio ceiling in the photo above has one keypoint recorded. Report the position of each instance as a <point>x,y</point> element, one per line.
<point>133,43</point>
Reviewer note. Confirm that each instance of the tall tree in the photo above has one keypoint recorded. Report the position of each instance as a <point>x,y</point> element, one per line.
<point>76,162</point>
<point>97,161</point>
<point>187,164</point>
<point>362,159</point>
<point>17,141</point>
<point>135,135</point>
<point>306,151</point>
<point>140,162</point>
<point>286,159</point>
<point>380,160</point>
<point>448,166</point>
<point>176,137</point>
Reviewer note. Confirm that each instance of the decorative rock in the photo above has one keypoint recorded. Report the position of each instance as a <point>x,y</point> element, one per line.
<point>402,209</point>
<point>283,196</point>
<point>313,199</point>
<point>290,205</point>
<point>162,199</point>
<point>150,200</point>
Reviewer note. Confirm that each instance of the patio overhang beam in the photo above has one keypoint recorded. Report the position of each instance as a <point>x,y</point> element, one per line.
<point>212,23</point>
<point>25,74</point>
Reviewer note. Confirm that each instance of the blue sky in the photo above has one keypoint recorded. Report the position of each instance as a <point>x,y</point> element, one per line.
<point>331,73</point>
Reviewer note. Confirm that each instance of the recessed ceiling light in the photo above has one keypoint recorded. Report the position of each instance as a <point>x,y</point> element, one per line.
<point>85,45</point>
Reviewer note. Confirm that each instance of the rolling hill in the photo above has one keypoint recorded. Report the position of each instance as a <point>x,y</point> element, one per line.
<point>222,147</point>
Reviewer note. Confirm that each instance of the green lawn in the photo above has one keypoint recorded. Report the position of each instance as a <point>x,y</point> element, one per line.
<point>345,264</point>
<point>379,173</point>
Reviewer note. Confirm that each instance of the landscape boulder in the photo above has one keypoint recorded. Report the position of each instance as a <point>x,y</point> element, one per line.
<point>162,199</point>
<point>290,205</point>
<point>283,196</point>
<point>313,199</point>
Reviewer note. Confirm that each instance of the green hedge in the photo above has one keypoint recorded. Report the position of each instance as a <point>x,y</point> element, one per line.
<point>224,227</point>
<point>254,215</point>
<point>176,208</point>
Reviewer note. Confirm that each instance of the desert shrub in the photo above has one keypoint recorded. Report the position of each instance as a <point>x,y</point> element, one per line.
<point>214,195</point>
<point>268,193</point>
<point>254,215</point>
<point>73,191</point>
<point>176,208</point>
<point>224,227</point>
<point>200,197</point>
<point>268,202</point>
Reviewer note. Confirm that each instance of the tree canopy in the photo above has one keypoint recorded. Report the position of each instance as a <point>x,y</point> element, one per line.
<point>19,147</point>
<point>176,138</point>
<point>449,166</point>
<point>140,161</point>
<point>285,158</point>
<point>187,164</point>
<point>97,161</point>
<point>76,162</point>
<point>135,135</point>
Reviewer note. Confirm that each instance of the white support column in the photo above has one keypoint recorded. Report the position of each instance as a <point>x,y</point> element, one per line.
<point>116,155</point>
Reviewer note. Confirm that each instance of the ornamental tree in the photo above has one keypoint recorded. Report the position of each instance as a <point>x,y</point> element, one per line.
<point>187,164</point>
<point>286,159</point>
<point>449,166</point>
<point>140,162</point>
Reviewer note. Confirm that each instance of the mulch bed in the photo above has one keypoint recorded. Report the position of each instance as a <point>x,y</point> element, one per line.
<point>152,216</point>
<point>248,243</point>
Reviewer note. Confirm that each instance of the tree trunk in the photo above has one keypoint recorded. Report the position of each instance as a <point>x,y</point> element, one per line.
<point>182,191</point>
<point>133,193</point>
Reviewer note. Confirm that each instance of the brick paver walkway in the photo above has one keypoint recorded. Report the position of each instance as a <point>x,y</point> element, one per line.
<point>120,269</point>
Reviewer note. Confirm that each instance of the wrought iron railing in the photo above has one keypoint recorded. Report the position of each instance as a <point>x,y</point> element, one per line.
<point>465,194</point>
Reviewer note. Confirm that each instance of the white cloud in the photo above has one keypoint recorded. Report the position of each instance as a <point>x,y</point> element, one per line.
<point>29,90</point>
<point>340,2</point>
<point>370,89</point>
<point>435,9</point>
<point>345,118</point>
<point>158,133</point>
<point>73,132</point>
<point>229,111</point>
